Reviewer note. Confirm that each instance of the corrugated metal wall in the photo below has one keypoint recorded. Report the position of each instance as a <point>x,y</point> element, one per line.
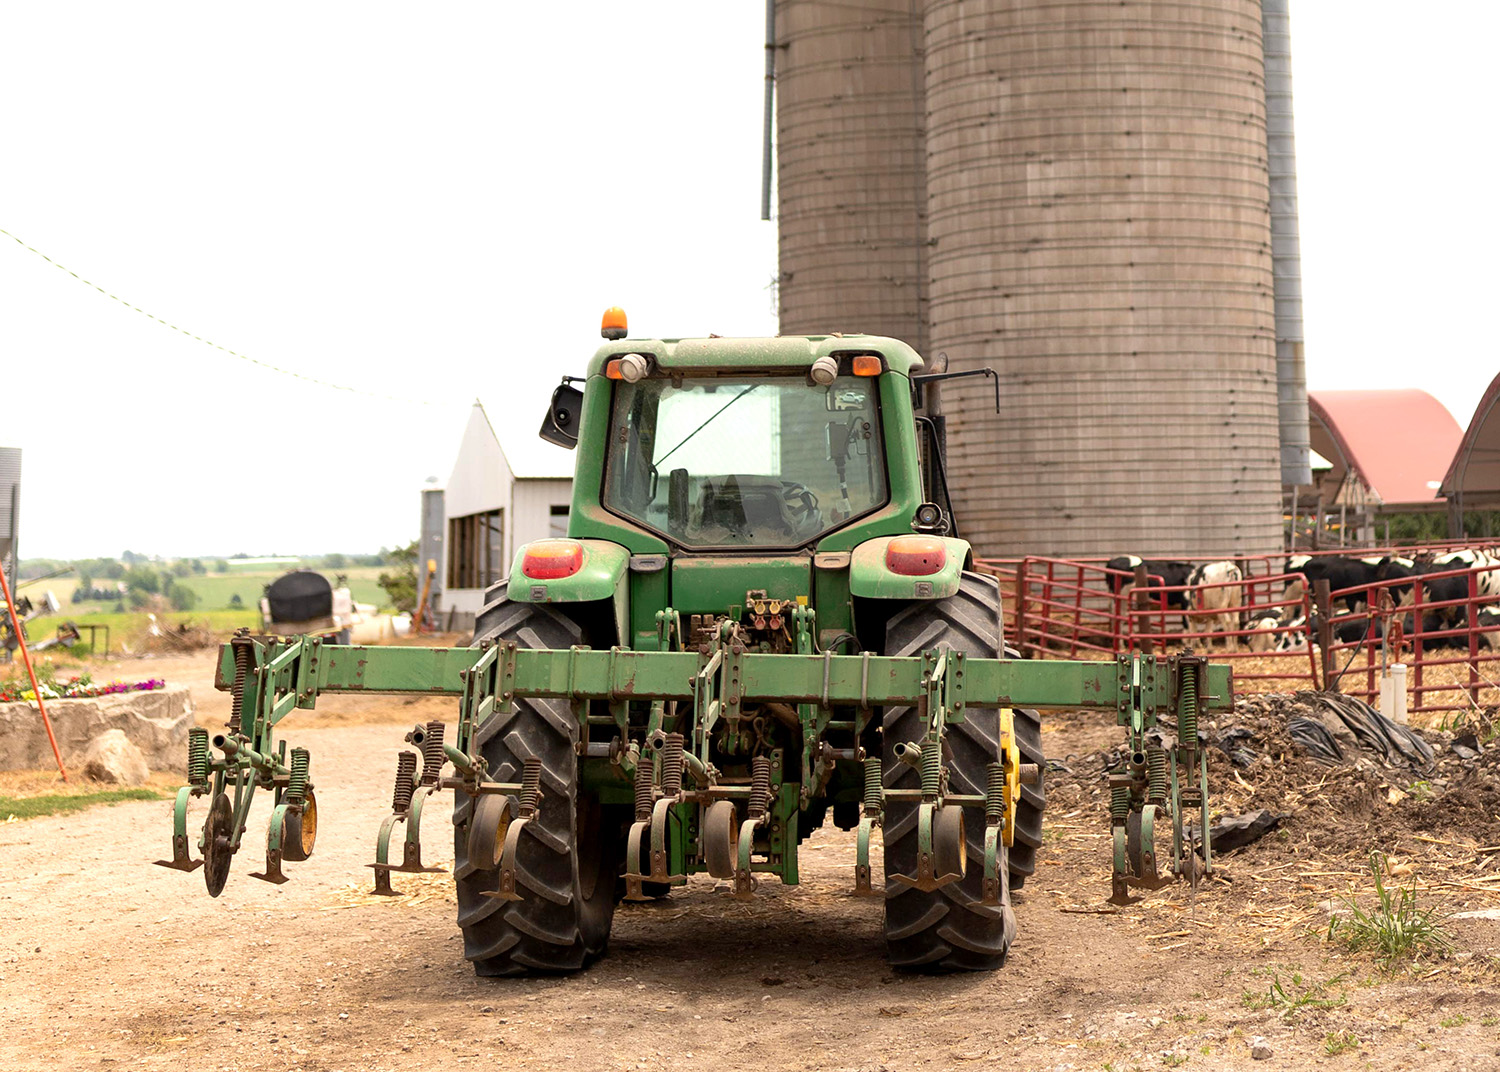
<point>849,168</point>
<point>1101,236</point>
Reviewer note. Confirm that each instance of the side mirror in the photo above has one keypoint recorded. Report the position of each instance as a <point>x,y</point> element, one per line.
<point>560,425</point>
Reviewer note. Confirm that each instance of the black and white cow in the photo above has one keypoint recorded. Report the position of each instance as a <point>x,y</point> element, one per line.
<point>1438,622</point>
<point>1171,574</point>
<point>1489,628</point>
<point>1265,636</point>
<point>1340,572</point>
<point>1451,588</point>
<point>1347,629</point>
<point>1392,568</point>
<point>1216,603</point>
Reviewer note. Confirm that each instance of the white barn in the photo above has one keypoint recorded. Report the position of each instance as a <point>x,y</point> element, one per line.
<point>493,504</point>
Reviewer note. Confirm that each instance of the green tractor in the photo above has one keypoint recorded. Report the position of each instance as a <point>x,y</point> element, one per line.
<point>762,619</point>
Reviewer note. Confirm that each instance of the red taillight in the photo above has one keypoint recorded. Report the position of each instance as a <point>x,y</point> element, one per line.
<point>916,556</point>
<point>549,559</point>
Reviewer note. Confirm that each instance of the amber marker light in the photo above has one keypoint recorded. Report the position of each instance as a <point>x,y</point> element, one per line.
<point>867,365</point>
<point>613,326</point>
<point>916,556</point>
<point>547,560</point>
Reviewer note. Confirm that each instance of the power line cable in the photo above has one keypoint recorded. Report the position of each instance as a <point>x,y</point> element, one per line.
<point>209,342</point>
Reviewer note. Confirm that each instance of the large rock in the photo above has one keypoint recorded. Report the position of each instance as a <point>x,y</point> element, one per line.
<point>156,722</point>
<point>111,758</point>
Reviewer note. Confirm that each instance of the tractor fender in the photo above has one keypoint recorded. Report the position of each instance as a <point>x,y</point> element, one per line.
<point>602,578</point>
<point>871,578</point>
<point>602,574</point>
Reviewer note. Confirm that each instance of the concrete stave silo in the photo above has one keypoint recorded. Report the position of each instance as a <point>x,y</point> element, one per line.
<point>1100,235</point>
<point>850,160</point>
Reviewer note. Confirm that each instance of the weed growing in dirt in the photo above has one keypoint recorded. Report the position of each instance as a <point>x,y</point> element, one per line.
<point>1172,1060</point>
<point>1395,929</point>
<point>1290,999</point>
<point>61,803</point>
<point>1489,1021</point>
<point>1337,1042</point>
<point>1456,1020</point>
<point>1480,722</point>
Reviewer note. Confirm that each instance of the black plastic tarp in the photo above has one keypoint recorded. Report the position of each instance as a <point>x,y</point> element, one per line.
<point>300,596</point>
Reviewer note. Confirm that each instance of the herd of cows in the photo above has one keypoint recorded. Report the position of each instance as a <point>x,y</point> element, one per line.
<point>1212,597</point>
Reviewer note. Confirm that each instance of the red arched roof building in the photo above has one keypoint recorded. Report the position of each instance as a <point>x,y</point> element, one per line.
<point>1389,449</point>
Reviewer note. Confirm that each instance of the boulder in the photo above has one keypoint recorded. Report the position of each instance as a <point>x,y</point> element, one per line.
<point>112,759</point>
<point>156,722</point>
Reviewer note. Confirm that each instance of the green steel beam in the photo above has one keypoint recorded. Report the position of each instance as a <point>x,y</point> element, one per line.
<point>843,680</point>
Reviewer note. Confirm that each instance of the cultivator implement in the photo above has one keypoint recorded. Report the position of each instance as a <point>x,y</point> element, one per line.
<point>654,728</point>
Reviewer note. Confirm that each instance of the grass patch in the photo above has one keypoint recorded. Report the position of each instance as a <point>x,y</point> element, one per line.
<point>1290,998</point>
<point>34,807</point>
<point>215,590</point>
<point>1395,929</point>
<point>1337,1042</point>
<point>1456,1020</point>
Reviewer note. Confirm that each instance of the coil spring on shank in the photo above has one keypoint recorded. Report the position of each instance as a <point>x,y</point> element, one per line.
<point>296,787</point>
<point>1156,759</point>
<point>197,756</point>
<point>994,792</point>
<point>645,794</point>
<point>760,786</point>
<point>237,694</point>
<point>531,783</point>
<point>406,770</point>
<point>932,768</point>
<point>433,756</point>
<point>1187,707</point>
<point>671,765</point>
<point>1119,802</point>
<point>874,797</point>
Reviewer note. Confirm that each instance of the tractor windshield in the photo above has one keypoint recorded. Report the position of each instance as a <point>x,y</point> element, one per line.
<point>755,462</point>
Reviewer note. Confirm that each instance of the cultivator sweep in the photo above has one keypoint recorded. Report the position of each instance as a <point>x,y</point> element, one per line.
<point>688,816</point>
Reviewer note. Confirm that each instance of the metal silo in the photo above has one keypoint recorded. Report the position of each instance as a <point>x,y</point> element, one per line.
<point>849,168</point>
<point>1098,213</point>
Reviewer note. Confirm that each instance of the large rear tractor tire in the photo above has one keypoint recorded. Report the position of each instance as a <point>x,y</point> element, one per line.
<point>948,929</point>
<point>566,860</point>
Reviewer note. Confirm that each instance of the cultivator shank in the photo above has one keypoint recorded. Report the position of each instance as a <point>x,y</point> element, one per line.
<point>689,815</point>
<point>1164,776</point>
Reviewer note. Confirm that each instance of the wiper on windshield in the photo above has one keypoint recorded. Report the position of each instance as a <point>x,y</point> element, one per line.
<point>705,424</point>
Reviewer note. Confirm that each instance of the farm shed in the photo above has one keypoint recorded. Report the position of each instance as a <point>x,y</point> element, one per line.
<point>492,504</point>
<point>1388,449</point>
<point>1472,481</point>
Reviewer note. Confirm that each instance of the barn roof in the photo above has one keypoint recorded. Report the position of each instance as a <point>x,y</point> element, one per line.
<point>1473,479</point>
<point>1399,443</point>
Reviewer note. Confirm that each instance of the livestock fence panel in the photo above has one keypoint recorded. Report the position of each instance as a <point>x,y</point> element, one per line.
<point>1448,643</point>
<point>1449,639</point>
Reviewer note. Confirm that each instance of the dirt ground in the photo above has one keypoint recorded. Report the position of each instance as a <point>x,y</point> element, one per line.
<point>108,962</point>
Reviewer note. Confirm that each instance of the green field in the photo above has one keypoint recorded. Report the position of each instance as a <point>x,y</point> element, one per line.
<point>215,590</point>
<point>130,627</point>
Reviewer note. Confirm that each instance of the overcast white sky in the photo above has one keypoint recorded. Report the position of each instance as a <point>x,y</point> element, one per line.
<point>436,202</point>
